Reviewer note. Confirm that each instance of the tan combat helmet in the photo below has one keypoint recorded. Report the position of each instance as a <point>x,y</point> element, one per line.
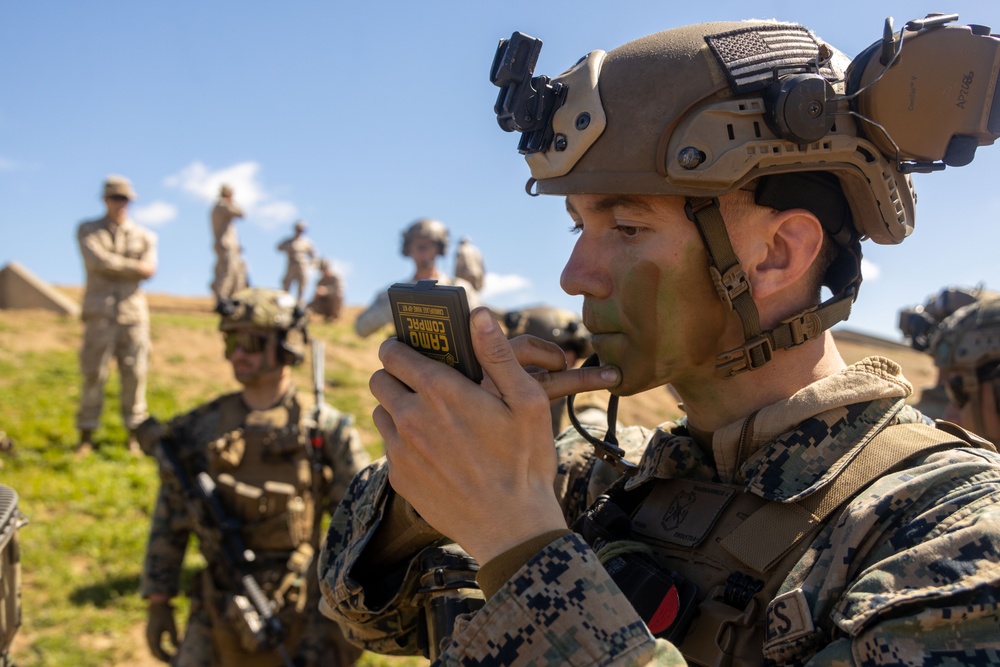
<point>555,325</point>
<point>118,186</point>
<point>262,308</point>
<point>426,228</point>
<point>704,110</point>
<point>966,347</point>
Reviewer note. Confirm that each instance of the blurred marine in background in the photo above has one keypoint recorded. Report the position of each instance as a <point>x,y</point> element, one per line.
<point>920,324</point>
<point>301,256</point>
<point>469,265</point>
<point>328,299</point>
<point>117,256</point>
<point>966,350</point>
<point>230,269</point>
<point>252,472</point>
<point>423,241</point>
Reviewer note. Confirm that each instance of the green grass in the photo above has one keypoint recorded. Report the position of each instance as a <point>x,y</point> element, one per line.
<point>83,548</point>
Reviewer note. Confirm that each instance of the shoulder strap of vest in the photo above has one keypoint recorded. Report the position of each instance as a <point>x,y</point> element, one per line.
<point>787,524</point>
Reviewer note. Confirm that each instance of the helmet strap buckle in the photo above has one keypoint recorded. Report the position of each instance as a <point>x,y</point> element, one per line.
<point>731,284</point>
<point>805,326</point>
<point>747,357</point>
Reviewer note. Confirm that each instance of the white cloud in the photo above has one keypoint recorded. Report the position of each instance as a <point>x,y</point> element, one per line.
<point>496,284</point>
<point>869,270</point>
<point>155,213</point>
<point>342,268</point>
<point>249,193</point>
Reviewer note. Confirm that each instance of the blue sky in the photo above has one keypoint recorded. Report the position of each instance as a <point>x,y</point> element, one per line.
<point>361,117</point>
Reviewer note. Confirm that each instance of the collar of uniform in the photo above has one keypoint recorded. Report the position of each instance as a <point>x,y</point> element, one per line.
<point>124,224</point>
<point>796,446</point>
<point>830,416</point>
<point>672,452</point>
<point>287,400</point>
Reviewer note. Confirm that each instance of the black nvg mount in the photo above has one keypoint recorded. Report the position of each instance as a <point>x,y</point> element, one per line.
<point>525,103</point>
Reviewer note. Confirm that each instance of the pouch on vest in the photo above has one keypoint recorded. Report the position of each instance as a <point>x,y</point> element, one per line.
<point>227,451</point>
<point>664,600</point>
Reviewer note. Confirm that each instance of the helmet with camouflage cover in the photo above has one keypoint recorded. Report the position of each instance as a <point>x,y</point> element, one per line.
<point>261,308</point>
<point>426,228</point>
<point>966,350</point>
<point>704,110</point>
<point>919,323</point>
<point>555,325</point>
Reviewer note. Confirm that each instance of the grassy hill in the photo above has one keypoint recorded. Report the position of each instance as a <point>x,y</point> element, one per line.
<point>82,550</point>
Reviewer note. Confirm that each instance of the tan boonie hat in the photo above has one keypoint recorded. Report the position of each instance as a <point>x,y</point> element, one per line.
<point>115,185</point>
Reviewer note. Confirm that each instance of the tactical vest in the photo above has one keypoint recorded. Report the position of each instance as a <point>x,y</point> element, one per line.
<point>264,478</point>
<point>702,562</point>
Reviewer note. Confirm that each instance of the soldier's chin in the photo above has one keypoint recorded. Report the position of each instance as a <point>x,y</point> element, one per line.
<point>245,375</point>
<point>628,388</point>
<point>636,375</point>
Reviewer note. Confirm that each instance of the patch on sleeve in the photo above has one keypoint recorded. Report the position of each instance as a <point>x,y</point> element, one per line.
<point>788,618</point>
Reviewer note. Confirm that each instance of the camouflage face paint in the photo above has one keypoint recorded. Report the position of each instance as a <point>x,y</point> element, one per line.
<point>670,320</point>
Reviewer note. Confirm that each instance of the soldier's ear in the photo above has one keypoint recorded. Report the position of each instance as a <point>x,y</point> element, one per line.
<point>782,255</point>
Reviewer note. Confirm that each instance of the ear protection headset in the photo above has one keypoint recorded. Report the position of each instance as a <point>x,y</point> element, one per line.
<point>926,96</point>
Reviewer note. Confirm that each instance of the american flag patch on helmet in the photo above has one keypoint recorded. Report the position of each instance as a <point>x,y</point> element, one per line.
<point>755,56</point>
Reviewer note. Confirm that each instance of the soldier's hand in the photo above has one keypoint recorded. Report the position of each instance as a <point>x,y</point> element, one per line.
<point>161,622</point>
<point>546,362</point>
<point>476,462</point>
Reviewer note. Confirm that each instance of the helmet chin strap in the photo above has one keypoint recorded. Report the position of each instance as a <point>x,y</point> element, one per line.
<point>734,291</point>
<point>607,449</point>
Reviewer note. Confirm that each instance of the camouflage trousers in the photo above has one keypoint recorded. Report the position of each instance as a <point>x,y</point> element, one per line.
<point>295,274</point>
<point>129,344</point>
<point>230,274</point>
<point>313,640</point>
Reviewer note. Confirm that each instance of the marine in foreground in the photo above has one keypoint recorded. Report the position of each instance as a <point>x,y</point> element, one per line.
<point>717,176</point>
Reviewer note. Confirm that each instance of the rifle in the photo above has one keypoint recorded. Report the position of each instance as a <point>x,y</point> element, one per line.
<point>250,611</point>
<point>316,441</point>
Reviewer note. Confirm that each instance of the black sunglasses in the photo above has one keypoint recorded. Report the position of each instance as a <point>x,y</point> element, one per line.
<point>248,342</point>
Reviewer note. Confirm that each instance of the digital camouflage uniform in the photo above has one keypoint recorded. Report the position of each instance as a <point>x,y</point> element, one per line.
<point>907,572</point>
<point>115,317</point>
<point>301,256</point>
<point>230,270</point>
<point>260,463</point>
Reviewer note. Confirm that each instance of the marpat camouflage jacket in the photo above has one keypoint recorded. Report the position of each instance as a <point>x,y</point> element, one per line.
<point>907,573</point>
